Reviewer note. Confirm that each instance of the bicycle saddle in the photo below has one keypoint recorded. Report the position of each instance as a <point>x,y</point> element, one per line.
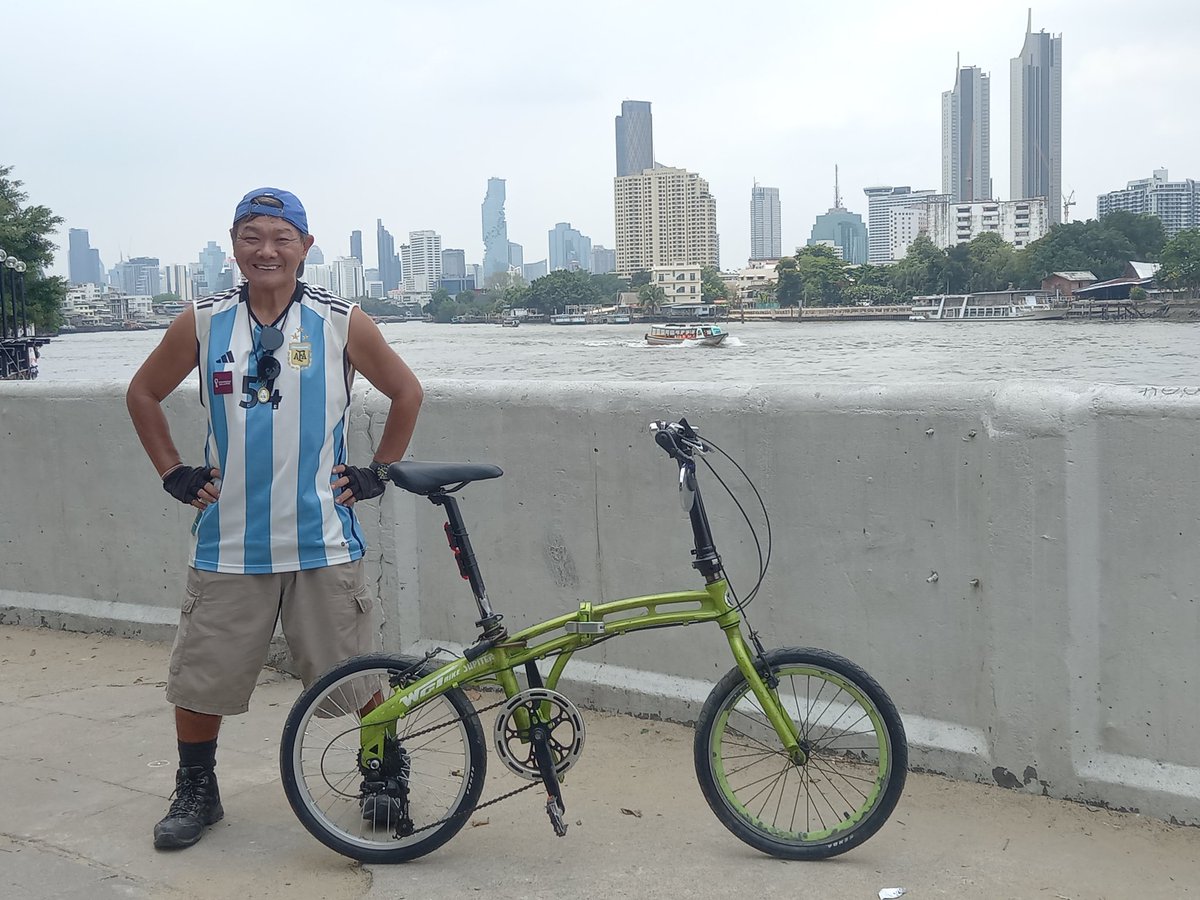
<point>431,477</point>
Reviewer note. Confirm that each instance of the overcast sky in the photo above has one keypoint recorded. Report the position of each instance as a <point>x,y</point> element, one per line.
<point>145,122</point>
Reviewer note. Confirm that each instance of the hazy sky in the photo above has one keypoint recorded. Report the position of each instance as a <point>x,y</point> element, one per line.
<point>145,122</point>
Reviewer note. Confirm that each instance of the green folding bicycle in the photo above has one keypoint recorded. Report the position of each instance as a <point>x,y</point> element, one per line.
<point>798,751</point>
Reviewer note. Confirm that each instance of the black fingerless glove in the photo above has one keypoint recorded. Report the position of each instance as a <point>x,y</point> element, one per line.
<point>365,483</point>
<point>185,482</point>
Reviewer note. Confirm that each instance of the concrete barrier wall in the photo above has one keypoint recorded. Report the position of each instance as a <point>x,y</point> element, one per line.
<point>1016,563</point>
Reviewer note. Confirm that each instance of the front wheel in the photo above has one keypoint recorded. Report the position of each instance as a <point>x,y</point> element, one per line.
<point>432,772</point>
<point>851,735</point>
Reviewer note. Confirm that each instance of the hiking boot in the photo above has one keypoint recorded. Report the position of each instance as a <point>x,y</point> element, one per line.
<point>196,805</point>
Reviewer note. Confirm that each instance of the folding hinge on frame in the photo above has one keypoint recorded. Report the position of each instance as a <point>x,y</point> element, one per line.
<point>584,624</point>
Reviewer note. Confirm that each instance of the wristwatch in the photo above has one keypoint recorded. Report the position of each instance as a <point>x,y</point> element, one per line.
<point>380,469</point>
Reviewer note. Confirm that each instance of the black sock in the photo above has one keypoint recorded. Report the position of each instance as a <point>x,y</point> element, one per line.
<point>203,753</point>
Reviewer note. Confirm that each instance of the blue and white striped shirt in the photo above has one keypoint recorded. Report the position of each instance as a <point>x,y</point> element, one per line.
<point>276,454</point>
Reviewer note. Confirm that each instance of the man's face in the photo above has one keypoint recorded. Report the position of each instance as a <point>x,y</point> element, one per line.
<point>269,250</point>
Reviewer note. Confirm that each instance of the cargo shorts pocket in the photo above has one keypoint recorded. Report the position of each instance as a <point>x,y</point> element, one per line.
<point>191,596</point>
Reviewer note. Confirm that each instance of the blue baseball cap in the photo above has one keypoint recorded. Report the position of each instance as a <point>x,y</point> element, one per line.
<point>270,201</point>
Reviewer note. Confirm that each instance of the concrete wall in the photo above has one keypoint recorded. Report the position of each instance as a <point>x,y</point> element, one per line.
<point>1016,563</point>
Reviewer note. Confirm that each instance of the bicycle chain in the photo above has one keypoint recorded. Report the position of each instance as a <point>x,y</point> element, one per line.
<point>474,715</point>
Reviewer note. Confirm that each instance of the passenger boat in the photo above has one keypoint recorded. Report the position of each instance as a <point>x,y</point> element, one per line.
<point>1003,306</point>
<point>511,322</point>
<point>705,335</point>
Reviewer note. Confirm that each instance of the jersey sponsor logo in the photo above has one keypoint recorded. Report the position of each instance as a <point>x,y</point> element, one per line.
<point>222,382</point>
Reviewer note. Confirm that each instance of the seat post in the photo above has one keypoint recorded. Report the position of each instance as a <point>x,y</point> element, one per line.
<point>468,566</point>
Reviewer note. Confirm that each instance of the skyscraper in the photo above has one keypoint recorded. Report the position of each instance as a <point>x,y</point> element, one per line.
<point>569,249</point>
<point>664,217</point>
<point>895,216</point>
<point>356,245</point>
<point>1035,161</point>
<point>604,260</point>
<point>454,264</point>
<point>966,137</point>
<point>422,261</point>
<point>635,138</point>
<point>843,228</point>
<point>495,229</point>
<point>765,242</point>
<point>140,276</point>
<point>389,263</point>
<point>83,261</point>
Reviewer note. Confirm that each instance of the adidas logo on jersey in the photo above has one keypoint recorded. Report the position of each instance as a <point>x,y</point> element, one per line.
<point>226,359</point>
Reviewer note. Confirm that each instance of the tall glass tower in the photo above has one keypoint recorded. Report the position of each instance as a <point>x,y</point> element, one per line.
<point>1035,161</point>
<point>966,137</point>
<point>765,241</point>
<point>635,138</point>
<point>495,229</point>
<point>83,260</point>
<point>390,271</point>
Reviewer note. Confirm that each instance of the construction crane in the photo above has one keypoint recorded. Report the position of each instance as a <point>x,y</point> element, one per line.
<point>1068,202</point>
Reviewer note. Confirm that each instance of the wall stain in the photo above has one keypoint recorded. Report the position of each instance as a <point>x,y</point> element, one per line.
<point>559,562</point>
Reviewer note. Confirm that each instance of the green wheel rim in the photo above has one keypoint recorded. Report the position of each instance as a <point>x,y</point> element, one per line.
<point>765,787</point>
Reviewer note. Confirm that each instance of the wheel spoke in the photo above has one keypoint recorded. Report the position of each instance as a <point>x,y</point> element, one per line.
<point>853,757</point>
<point>432,780</point>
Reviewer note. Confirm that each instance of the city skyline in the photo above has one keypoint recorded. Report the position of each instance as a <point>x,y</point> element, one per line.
<point>544,121</point>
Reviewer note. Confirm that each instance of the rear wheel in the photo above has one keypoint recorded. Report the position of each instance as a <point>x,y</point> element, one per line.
<point>434,767</point>
<point>850,732</point>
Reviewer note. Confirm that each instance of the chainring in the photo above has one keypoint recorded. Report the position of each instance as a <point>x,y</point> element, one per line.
<point>560,716</point>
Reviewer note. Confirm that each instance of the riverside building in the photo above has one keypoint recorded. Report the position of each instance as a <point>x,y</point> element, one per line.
<point>1176,203</point>
<point>664,217</point>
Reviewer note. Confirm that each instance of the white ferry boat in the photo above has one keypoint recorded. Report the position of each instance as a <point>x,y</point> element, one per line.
<point>999,306</point>
<point>671,333</point>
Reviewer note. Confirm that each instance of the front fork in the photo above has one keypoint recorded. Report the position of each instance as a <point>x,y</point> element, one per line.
<point>765,688</point>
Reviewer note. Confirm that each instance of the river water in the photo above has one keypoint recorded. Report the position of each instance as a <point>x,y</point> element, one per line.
<point>1137,353</point>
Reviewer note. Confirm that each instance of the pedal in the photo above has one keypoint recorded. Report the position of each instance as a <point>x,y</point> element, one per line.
<point>555,812</point>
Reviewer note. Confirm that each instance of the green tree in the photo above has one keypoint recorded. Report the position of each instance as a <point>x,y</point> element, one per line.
<point>712,287</point>
<point>789,288</point>
<point>608,285</point>
<point>25,234</point>
<point>639,278</point>
<point>651,297</point>
<point>925,269</point>
<point>165,298</point>
<point>822,275</point>
<point>1101,246</point>
<point>1181,260</point>
<point>562,288</point>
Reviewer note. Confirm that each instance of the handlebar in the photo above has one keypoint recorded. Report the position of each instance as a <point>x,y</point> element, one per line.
<point>678,439</point>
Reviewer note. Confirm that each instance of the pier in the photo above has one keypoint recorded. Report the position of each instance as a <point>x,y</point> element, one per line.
<point>19,341</point>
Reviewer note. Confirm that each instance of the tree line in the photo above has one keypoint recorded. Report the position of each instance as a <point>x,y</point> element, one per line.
<point>814,276</point>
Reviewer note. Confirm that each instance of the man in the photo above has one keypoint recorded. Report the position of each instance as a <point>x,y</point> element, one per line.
<point>275,534</point>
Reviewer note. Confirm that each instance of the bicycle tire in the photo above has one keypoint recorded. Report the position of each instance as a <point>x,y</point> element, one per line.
<point>856,767</point>
<point>318,760</point>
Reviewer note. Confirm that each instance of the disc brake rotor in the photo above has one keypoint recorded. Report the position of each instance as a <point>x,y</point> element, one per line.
<point>557,713</point>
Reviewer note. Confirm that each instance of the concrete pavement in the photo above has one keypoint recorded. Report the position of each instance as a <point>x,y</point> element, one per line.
<point>87,761</point>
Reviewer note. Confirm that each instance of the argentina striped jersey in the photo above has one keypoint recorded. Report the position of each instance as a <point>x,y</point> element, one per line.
<point>275,443</point>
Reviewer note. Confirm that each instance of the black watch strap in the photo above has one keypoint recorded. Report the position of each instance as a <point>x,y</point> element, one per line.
<point>380,469</point>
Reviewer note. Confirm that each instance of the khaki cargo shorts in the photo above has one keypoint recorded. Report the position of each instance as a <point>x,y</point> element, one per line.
<point>226,624</point>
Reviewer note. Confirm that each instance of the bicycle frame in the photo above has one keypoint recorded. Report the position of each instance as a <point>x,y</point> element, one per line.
<point>582,628</point>
<point>498,654</point>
